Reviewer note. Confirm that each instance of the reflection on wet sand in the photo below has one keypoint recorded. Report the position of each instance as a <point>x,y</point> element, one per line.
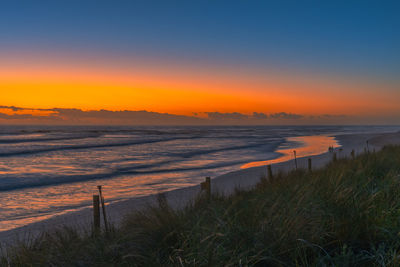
<point>310,146</point>
<point>22,207</point>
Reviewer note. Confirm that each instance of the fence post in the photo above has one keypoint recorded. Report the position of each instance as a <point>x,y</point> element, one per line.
<point>334,157</point>
<point>103,207</point>
<point>208,187</point>
<point>269,168</point>
<point>96,214</point>
<point>309,165</point>
<point>295,158</point>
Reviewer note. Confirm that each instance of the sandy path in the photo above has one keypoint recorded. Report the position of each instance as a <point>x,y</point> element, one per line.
<point>225,184</point>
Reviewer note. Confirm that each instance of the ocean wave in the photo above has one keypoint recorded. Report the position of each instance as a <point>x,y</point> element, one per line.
<point>87,146</point>
<point>9,184</point>
<point>269,147</point>
<point>47,139</point>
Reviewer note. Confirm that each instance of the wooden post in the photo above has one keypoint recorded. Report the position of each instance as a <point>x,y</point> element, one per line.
<point>269,168</point>
<point>309,165</point>
<point>334,157</point>
<point>353,154</point>
<point>96,213</point>
<point>295,159</point>
<point>208,187</point>
<point>103,207</point>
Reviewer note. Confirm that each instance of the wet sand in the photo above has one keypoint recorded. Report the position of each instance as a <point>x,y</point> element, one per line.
<point>224,184</point>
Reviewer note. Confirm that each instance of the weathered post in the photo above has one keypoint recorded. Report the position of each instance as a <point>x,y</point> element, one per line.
<point>206,186</point>
<point>269,169</point>
<point>353,154</point>
<point>295,158</point>
<point>96,214</point>
<point>309,165</point>
<point>103,207</point>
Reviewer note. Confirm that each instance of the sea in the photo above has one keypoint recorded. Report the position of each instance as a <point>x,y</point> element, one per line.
<point>51,170</point>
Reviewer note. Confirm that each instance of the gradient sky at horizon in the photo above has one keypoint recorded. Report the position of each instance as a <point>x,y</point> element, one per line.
<point>182,57</point>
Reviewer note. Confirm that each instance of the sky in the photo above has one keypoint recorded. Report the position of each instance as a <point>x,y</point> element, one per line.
<point>207,62</point>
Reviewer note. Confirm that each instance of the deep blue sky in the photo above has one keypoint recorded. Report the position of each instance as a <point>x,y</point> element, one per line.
<point>356,37</point>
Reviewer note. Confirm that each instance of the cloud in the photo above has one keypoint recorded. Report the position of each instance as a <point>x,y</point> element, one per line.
<point>78,116</point>
<point>27,117</point>
<point>18,115</point>
<point>226,116</point>
<point>12,108</point>
<point>284,115</point>
<point>330,116</point>
<point>257,115</point>
<point>125,116</point>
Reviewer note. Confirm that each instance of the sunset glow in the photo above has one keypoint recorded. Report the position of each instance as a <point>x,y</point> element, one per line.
<point>180,92</point>
<point>128,76</point>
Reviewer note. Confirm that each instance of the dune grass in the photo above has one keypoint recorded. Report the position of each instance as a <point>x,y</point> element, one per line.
<point>347,214</point>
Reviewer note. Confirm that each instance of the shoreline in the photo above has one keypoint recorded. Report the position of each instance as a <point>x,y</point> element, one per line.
<point>178,198</point>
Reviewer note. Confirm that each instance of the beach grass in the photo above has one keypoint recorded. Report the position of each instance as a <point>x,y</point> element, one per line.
<point>346,214</point>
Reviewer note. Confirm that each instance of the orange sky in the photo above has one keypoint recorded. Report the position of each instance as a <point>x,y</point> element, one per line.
<point>340,59</point>
<point>184,90</point>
